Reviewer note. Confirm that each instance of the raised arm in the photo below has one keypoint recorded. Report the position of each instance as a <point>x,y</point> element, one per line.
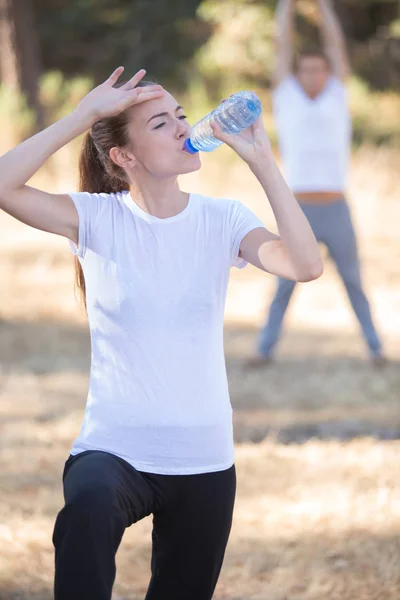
<point>334,41</point>
<point>294,254</point>
<point>56,213</point>
<point>284,40</point>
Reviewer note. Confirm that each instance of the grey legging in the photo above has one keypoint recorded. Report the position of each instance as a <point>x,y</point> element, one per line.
<point>332,225</point>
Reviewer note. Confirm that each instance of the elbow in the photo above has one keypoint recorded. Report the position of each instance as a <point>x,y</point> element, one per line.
<point>312,273</point>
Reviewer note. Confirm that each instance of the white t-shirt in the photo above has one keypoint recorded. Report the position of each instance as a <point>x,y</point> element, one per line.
<point>158,394</point>
<point>314,135</point>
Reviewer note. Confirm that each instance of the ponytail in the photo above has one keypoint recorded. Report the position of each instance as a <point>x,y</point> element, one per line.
<point>93,175</point>
<point>93,178</point>
<point>97,172</point>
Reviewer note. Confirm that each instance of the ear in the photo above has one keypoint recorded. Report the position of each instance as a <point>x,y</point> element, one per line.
<point>122,158</point>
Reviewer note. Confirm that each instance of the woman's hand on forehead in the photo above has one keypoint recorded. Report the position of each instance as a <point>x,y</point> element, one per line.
<point>105,100</point>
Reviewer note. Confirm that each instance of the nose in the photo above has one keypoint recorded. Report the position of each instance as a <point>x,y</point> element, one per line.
<point>182,129</point>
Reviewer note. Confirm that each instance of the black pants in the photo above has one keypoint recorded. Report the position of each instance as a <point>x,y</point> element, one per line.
<point>192,517</point>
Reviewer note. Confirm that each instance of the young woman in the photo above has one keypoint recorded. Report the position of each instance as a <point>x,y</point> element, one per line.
<point>154,262</point>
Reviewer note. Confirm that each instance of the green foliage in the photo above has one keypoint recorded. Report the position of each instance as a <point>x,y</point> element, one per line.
<point>59,95</point>
<point>240,49</point>
<point>204,50</point>
<point>395,29</point>
<point>376,115</point>
<point>16,119</point>
<point>93,37</point>
<point>225,42</point>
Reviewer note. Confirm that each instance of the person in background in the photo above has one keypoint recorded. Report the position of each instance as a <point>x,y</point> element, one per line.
<point>314,132</point>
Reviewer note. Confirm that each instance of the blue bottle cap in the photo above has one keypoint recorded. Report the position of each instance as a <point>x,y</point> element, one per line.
<point>252,106</point>
<point>188,146</point>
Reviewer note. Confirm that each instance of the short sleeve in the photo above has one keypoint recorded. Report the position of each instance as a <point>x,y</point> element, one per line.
<point>89,208</point>
<point>337,89</point>
<point>242,221</point>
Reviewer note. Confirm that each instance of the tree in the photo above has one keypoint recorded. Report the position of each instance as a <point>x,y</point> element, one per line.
<point>242,42</point>
<point>20,64</point>
<point>94,36</point>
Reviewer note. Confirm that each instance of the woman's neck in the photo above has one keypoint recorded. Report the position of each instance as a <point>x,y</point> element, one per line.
<point>160,198</point>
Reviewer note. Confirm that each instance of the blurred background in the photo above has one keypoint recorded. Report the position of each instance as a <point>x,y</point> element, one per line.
<point>318,508</point>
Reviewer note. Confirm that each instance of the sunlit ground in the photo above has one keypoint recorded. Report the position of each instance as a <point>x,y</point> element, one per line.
<point>318,507</point>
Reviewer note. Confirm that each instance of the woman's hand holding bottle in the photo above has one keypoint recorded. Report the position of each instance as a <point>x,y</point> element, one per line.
<point>252,144</point>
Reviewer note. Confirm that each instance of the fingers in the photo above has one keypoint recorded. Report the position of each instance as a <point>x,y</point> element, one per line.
<point>217,131</point>
<point>115,76</point>
<point>129,85</point>
<point>140,95</point>
<point>225,99</point>
<point>150,88</point>
<point>226,138</point>
<point>148,93</point>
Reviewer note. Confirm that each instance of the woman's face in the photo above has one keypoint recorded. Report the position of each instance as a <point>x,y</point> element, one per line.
<point>158,130</point>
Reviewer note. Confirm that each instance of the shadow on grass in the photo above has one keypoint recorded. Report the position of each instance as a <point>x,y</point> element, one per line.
<point>318,388</point>
<point>356,564</point>
<point>43,347</point>
<point>16,593</point>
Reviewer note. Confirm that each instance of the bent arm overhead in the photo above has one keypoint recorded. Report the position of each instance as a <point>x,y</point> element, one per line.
<point>334,41</point>
<point>284,40</point>
<point>294,254</point>
<point>56,213</point>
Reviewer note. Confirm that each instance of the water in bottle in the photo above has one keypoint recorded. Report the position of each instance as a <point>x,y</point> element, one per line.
<point>233,116</point>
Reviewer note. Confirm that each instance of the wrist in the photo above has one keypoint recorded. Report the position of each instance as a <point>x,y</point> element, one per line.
<point>262,160</point>
<point>82,119</point>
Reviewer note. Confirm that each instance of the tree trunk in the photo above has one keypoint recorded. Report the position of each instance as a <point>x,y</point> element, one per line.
<point>20,63</point>
<point>9,60</point>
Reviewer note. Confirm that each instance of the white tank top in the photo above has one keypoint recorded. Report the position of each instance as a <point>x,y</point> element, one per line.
<point>314,135</point>
<point>156,288</point>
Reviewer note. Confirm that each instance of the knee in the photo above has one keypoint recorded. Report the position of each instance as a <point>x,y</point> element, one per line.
<point>90,507</point>
<point>90,512</point>
<point>92,502</point>
<point>94,499</point>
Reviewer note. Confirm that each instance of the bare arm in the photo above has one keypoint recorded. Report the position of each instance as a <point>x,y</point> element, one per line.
<point>294,254</point>
<point>284,40</point>
<point>335,44</point>
<point>56,213</point>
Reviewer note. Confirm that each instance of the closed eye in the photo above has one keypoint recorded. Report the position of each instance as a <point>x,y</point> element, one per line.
<point>182,117</point>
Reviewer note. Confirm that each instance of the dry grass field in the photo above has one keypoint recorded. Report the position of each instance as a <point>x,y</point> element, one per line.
<point>318,433</point>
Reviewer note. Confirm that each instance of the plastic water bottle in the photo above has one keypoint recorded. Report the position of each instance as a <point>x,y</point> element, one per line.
<point>233,116</point>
